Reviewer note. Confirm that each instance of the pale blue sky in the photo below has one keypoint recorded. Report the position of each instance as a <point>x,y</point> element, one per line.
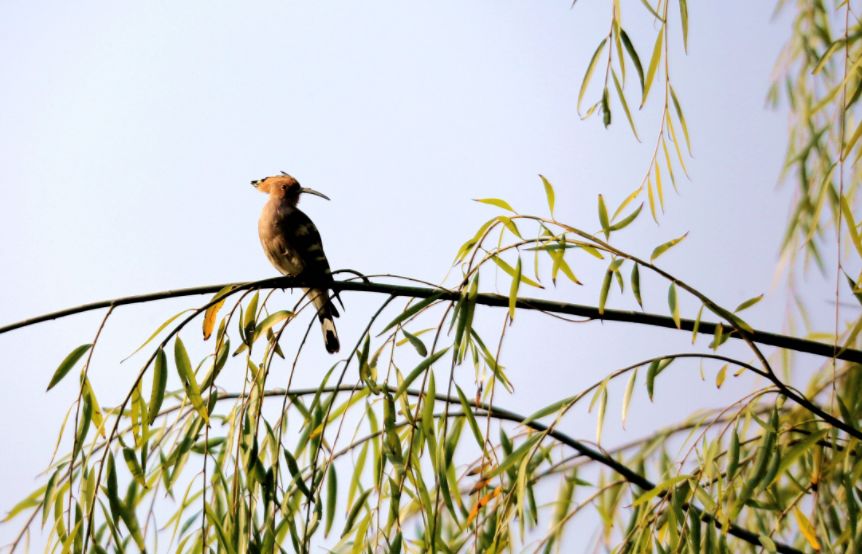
<point>129,133</point>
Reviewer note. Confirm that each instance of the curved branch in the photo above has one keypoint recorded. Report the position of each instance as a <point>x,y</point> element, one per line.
<point>494,300</point>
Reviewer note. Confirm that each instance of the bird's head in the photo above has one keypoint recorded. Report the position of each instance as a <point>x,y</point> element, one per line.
<point>284,188</point>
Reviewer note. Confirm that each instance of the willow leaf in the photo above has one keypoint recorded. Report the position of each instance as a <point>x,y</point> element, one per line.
<point>653,64</point>
<point>589,73</point>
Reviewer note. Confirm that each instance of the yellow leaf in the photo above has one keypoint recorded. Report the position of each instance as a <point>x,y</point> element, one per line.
<point>212,312</point>
<point>719,379</point>
<point>626,202</point>
<point>806,528</point>
<point>498,202</point>
<point>590,69</point>
<point>851,224</point>
<point>651,200</point>
<point>653,64</point>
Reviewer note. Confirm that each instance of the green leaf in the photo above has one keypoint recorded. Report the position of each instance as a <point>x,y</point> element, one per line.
<point>627,395</point>
<point>676,145</point>
<point>511,272</point>
<point>790,456</point>
<point>834,47</point>
<point>683,17</point>
<point>696,326</point>
<point>628,200</point>
<point>250,318</point>
<point>851,225</point>
<point>651,10</point>
<point>469,244</point>
<point>359,466</point>
<point>416,342</point>
<point>187,376</point>
<point>156,332</point>
<point>395,547</point>
<point>662,248</point>
<point>513,290</point>
<point>606,288</point>
<point>600,417</point>
<point>673,304</point>
<point>549,193</point>
<point>510,225</point>
<point>139,416</point>
<point>767,543</point>
<point>428,407</point>
<point>354,512</point>
<point>627,43</point>
<point>854,288</point>
<point>160,381</point>
<point>653,64</point>
<point>628,219</point>
<point>651,199</point>
<point>412,310</point>
<point>625,104</point>
<point>719,378</point>
<point>270,321</point>
<point>658,489</point>
<point>681,118</point>
<point>636,283</point>
<point>853,140</point>
<point>589,73</point>
<point>749,303</point>
<point>718,337</point>
<point>29,502</point>
<point>471,420</point>
<point>606,108</point>
<point>224,540</point>
<point>668,163</point>
<point>495,202</point>
<point>603,217</point>
<point>134,466</point>
<point>516,456</point>
<point>591,251</point>
<point>549,409</point>
<point>423,365</point>
<point>733,456</point>
<point>331,497</point>
<point>296,474</point>
<point>67,364</point>
<point>558,255</point>
<point>653,371</point>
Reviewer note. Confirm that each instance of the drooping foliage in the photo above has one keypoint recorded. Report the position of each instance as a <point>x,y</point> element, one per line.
<point>405,444</point>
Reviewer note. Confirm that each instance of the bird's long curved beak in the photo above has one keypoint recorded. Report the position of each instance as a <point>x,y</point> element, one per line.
<point>314,192</point>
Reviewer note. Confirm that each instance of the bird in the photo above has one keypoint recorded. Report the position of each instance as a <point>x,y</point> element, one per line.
<point>292,244</point>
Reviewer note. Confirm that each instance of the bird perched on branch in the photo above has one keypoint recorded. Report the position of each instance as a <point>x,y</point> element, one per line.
<point>292,244</point>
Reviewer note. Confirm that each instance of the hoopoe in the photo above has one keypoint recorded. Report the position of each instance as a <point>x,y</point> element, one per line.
<point>292,244</point>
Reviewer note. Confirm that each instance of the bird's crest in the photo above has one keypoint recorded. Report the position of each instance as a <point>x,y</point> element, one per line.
<point>268,184</point>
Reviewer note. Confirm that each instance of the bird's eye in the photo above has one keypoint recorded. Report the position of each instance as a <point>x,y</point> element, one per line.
<point>284,188</point>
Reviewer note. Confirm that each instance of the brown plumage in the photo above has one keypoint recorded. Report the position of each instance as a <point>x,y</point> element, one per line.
<point>292,244</point>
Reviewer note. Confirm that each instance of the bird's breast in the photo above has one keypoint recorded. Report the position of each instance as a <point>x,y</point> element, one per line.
<point>275,245</point>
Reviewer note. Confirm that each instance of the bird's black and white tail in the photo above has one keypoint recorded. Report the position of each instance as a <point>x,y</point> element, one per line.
<point>325,313</point>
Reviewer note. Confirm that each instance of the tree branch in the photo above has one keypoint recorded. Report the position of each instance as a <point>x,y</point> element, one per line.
<point>495,300</point>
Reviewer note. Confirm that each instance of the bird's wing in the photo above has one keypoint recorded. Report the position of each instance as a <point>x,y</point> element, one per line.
<point>303,237</point>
